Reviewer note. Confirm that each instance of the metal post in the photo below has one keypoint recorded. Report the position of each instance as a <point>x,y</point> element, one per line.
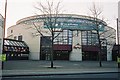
<point>118,43</point>
<point>4,27</point>
<point>52,50</point>
<point>5,17</point>
<point>100,50</point>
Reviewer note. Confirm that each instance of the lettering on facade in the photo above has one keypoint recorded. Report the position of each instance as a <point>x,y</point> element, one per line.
<point>77,46</point>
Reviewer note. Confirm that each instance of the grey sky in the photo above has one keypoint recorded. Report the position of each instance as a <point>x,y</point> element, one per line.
<point>18,9</point>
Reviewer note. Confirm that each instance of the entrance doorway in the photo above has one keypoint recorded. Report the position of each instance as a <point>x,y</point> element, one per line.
<point>61,55</point>
<point>92,56</point>
<point>58,55</point>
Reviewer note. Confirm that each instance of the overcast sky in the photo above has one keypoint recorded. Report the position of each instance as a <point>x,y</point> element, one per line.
<point>18,9</point>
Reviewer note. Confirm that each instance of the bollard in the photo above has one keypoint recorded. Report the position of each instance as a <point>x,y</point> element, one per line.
<point>118,61</point>
<point>2,59</point>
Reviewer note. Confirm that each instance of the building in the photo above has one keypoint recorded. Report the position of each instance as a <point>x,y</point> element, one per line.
<point>15,49</point>
<point>76,39</point>
<point>1,32</point>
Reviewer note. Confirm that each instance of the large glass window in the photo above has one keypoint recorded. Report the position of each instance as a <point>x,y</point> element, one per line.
<point>89,38</point>
<point>64,37</point>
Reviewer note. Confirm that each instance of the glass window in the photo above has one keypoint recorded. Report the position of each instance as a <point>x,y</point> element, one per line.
<point>64,37</point>
<point>11,31</point>
<point>18,44</point>
<point>89,38</point>
<point>15,43</point>
<point>6,43</point>
<point>15,37</point>
<point>20,38</point>
<point>21,44</point>
<point>12,42</point>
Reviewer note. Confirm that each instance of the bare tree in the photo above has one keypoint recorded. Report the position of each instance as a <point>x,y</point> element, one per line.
<point>50,13</point>
<point>96,13</point>
<point>108,33</point>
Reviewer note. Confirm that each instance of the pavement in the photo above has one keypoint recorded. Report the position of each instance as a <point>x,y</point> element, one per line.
<point>29,67</point>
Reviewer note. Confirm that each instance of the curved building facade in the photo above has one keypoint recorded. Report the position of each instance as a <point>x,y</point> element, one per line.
<point>76,38</point>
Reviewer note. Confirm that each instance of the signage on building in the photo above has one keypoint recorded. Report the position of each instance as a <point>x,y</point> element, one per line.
<point>80,24</point>
<point>77,46</point>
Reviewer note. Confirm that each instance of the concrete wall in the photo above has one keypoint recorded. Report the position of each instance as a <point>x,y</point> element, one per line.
<point>109,52</point>
<point>30,36</point>
<point>76,54</point>
<point>110,36</point>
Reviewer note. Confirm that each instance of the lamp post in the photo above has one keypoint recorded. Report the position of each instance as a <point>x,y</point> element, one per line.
<point>5,17</point>
<point>4,27</point>
<point>118,58</point>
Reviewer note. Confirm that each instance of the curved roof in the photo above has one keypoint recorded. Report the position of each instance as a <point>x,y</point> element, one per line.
<point>11,42</point>
<point>67,21</point>
<point>60,16</point>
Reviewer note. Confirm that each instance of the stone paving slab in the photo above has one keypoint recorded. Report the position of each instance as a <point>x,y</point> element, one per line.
<point>55,71</point>
<point>61,67</point>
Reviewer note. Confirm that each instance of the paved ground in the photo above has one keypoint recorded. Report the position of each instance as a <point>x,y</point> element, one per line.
<point>100,76</point>
<point>25,67</point>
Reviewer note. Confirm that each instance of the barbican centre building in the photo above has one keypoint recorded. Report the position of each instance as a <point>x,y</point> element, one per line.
<point>77,38</point>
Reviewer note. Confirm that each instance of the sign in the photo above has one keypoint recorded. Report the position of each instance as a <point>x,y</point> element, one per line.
<point>77,46</point>
<point>75,24</point>
<point>3,57</point>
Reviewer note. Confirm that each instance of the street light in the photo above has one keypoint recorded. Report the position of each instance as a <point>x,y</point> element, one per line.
<point>5,17</point>
<point>4,27</point>
<point>118,58</point>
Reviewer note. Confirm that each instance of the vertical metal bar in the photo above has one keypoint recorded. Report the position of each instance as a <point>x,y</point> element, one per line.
<point>5,18</point>
<point>118,41</point>
<point>4,27</point>
<point>118,36</point>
